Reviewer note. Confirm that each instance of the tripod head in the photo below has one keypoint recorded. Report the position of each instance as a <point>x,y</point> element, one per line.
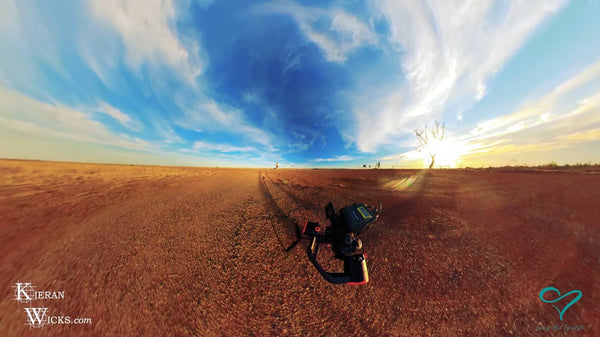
<point>340,235</point>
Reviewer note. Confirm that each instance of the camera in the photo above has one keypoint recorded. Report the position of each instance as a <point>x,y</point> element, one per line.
<point>340,235</point>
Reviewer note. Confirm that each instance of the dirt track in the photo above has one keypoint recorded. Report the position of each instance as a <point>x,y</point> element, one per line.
<point>196,251</point>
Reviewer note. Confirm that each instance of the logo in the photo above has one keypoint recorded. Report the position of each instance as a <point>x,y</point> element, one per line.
<point>38,317</point>
<point>24,292</point>
<point>552,289</point>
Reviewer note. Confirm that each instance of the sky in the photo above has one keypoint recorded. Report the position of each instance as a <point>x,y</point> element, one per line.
<point>304,84</point>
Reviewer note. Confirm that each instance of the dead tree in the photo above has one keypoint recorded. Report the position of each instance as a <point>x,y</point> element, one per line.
<point>428,136</point>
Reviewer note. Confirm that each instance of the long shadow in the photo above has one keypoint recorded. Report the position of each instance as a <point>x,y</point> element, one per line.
<point>290,224</point>
<point>302,203</point>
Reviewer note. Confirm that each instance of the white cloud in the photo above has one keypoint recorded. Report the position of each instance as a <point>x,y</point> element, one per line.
<point>27,45</point>
<point>412,154</point>
<point>207,146</point>
<point>564,124</point>
<point>150,38</point>
<point>342,33</point>
<point>27,115</point>
<point>449,51</point>
<point>209,116</point>
<point>163,129</point>
<point>148,34</point>
<point>571,97</point>
<point>246,156</point>
<point>32,129</point>
<point>583,136</point>
<point>334,159</point>
<point>118,115</point>
<point>566,116</point>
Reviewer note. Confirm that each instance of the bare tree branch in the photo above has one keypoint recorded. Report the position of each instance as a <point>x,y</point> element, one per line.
<point>437,132</point>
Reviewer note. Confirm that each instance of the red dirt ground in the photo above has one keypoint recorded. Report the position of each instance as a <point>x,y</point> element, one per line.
<point>162,251</point>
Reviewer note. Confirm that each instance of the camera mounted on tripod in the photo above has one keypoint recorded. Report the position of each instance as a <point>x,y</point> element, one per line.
<point>340,235</point>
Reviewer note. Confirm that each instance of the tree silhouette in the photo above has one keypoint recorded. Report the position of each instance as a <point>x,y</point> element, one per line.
<point>429,137</point>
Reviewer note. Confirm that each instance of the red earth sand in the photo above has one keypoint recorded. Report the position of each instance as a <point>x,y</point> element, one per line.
<point>159,251</point>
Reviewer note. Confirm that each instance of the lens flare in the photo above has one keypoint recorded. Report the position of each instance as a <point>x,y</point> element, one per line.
<point>396,184</point>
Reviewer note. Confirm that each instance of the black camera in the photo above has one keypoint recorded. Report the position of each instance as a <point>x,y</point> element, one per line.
<point>341,237</point>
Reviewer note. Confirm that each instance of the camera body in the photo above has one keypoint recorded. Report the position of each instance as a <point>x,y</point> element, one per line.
<point>345,225</point>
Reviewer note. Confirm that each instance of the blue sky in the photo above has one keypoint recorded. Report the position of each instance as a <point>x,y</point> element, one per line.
<point>305,84</point>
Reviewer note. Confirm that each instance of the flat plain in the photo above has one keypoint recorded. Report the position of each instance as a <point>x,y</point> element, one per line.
<point>160,251</point>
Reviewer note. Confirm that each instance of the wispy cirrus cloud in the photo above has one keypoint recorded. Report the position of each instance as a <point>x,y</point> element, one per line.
<point>450,50</point>
<point>284,80</point>
<point>571,105</point>
<point>334,159</point>
<point>252,156</point>
<point>30,116</point>
<point>565,117</point>
<point>208,116</point>
<point>574,96</point>
<point>28,45</point>
<point>114,40</point>
<point>148,33</point>
<point>164,130</point>
<point>221,147</point>
<point>566,128</point>
<point>582,136</point>
<point>123,118</point>
<point>333,30</point>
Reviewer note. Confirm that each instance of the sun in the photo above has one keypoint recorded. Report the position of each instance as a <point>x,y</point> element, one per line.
<point>447,153</point>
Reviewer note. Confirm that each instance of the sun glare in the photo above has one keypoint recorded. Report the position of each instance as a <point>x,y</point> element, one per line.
<point>447,153</point>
